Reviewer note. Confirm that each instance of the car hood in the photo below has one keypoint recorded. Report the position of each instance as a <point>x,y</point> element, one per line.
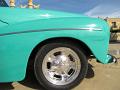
<point>15,15</point>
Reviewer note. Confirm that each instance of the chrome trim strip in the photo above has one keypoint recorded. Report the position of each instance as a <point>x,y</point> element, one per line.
<point>3,22</point>
<point>94,29</point>
<point>54,29</point>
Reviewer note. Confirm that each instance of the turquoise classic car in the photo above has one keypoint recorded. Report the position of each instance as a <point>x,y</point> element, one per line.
<point>56,45</point>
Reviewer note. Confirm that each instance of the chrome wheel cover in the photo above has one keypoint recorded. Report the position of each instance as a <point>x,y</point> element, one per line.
<point>61,66</point>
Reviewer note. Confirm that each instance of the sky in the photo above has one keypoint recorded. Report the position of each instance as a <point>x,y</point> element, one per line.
<point>94,8</point>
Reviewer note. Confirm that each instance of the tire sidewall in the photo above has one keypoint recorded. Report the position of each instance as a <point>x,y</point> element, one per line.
<point>39,61</point>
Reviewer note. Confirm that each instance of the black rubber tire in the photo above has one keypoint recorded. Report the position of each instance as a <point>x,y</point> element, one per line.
<point>40,57</point>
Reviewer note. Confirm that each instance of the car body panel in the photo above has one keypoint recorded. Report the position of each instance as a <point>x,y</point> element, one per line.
<point>3,24</point>
<point>21,35</point>
<point>31,15</point>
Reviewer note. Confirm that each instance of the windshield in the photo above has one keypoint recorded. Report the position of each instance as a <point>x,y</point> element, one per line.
<point>3,3</point>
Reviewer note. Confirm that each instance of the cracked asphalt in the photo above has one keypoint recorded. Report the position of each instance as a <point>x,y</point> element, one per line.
<point>99,76</point>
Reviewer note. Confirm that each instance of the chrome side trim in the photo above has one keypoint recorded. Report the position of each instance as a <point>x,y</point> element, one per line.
<point>52,29</point>
<point>93,29</point>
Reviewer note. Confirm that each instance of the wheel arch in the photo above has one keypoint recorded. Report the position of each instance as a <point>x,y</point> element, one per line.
<point>67,39</point>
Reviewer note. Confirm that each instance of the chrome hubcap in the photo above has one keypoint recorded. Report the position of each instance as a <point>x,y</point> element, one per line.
<point>61,66</point>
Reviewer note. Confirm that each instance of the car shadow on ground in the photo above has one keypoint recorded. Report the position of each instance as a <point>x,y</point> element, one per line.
<point>90,72</point>
<point>6,86</point>
<point>31,82</point>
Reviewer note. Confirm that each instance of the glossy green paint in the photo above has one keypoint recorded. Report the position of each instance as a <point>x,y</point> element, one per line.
<point>15,49</point>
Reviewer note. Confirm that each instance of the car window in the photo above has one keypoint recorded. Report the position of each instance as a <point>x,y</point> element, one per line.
<point>3,3</point>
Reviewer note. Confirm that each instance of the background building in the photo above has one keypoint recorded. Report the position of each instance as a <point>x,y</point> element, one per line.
<point>114,23</point>
<point>3,3</point>
<point>12,3</point>
<point>115,28</point>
